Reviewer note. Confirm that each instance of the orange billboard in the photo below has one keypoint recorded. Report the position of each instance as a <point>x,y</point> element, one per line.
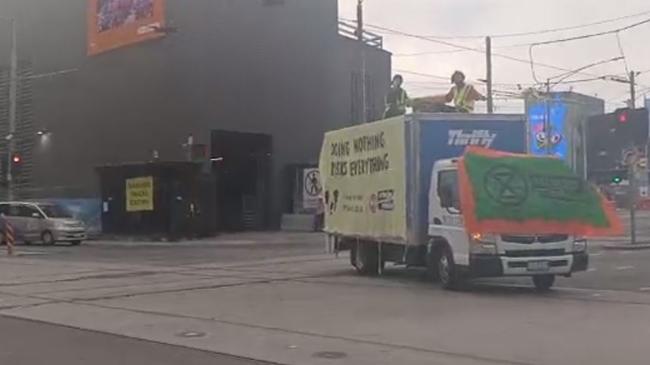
<point>117,23</point>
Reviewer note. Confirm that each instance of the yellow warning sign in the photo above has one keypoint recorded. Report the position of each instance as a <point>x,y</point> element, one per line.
<point>139,194</point>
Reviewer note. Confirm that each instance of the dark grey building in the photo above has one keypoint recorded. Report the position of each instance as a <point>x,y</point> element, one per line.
<point>278,73</point>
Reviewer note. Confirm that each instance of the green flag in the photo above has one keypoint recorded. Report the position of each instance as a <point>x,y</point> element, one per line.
<point>523,194</point>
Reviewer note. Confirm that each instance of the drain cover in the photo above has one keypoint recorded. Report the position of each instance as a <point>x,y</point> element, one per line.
<point>191,334</point>
<point>332,355</point>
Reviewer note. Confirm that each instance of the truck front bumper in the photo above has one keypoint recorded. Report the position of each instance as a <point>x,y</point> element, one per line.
<point>493,266</point>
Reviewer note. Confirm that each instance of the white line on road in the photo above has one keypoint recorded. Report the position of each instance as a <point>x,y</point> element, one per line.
<point>596,254</point>
<point>596,295</point>
<point>644,289</point>
<point>591,269</point>
<point>621,268</point>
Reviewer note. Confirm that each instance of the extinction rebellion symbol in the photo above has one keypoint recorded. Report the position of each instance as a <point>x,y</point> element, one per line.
<point>506,185</point>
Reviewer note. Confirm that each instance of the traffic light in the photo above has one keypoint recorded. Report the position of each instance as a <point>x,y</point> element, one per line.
<point>610,137</point>
<point>609,177</point>
<point>16,165</point>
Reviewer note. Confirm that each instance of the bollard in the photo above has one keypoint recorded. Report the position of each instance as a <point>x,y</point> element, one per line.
<point>10,238</point>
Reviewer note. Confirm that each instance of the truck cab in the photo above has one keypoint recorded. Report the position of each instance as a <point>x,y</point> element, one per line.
<point>458,254</point>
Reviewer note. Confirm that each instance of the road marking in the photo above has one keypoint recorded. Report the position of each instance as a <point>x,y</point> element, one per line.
<point>644,289</point>
<point>621,268</point>
<point>596,254</point>
<point>591,269</point>
<point>596,295</point>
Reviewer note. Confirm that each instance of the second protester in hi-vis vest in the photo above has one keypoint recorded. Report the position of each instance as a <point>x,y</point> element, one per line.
<point>462,94</point>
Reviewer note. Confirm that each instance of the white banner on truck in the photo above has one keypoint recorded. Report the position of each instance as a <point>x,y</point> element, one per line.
<point>363,175</point>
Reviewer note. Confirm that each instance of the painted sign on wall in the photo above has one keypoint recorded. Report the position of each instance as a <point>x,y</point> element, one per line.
<point>139,194</point>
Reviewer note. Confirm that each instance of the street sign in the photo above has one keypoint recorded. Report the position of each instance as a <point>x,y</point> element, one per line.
<point>642,163</point>
<point>630,157</point>
<point>311,189</point>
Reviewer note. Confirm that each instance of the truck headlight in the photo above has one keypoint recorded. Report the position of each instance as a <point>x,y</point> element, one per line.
<point>483,244</point>
<point>579,244</point>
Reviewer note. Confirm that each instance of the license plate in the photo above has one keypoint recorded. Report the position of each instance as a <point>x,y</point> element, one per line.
<point>538,266</point>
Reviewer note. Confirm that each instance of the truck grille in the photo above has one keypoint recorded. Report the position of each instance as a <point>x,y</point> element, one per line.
<point>535,253</point>
<point>556,263</point>
<point>532,239</point>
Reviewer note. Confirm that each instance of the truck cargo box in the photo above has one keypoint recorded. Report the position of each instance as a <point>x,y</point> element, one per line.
<point>376,176</point>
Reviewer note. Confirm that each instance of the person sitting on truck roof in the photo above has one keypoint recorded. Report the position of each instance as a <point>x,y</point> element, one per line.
<point>397,99</point>
<point>463,94</point>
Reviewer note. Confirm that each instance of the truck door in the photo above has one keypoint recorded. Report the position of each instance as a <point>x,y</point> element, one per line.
<point>445,214</point>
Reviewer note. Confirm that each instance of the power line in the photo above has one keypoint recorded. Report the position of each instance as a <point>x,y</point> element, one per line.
<point>592,35</point>
<point>541,31</point>
<point>451,51</point>
<point>478,50</point>
<point>620,49</point>
<point>421,74</point>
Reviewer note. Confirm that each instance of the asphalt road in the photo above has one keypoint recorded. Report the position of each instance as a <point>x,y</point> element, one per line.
<point>182,253</point>
<point>609,270</point>
<point>275,297</point>
<point>25,342</point>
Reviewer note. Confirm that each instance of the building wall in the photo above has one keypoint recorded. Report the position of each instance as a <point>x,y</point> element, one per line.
<point>239,65</point>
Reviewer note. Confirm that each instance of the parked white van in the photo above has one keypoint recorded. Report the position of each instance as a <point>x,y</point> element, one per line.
<point>42,222</point>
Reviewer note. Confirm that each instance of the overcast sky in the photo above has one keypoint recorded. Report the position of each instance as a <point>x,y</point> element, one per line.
<point>451,18</point>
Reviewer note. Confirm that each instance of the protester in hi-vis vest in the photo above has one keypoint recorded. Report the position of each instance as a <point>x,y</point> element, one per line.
<point>463,94</point>
<point>396,99</point>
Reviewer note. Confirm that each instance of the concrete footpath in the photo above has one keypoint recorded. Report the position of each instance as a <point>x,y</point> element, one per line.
<point>314,310</point>
<point>26,342</point>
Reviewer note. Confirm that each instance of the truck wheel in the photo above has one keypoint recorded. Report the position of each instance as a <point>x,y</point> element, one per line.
<point>543,282</point>
<point>447,273</point>
<point>366,257</point>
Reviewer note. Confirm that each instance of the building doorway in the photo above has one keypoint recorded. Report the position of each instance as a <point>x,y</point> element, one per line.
<point>242,166</point>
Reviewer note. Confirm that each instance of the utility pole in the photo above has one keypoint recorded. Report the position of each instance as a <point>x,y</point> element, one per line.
<point>364,102</point>
<point>13,100</point>
<point>547,120</point>
<point>488,77</point>
<point>634,191</point>
<point>632,90</point>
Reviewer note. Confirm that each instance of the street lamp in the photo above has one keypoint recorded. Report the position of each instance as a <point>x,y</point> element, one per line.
<point>13,96</point>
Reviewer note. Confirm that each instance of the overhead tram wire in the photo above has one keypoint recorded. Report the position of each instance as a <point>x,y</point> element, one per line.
<point>577,38</point>
<point>478,50</point>
<point>537,32</point>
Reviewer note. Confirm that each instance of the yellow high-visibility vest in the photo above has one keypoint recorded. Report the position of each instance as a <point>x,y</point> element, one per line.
<point>461,100</point>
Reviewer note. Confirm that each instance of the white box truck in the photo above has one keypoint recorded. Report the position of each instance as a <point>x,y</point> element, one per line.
<point>391,195</point>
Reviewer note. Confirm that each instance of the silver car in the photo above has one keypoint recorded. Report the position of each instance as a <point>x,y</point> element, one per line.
<point>42,222</point>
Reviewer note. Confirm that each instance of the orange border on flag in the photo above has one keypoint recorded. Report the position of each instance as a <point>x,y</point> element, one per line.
<point>536,226</point>
<point>100,42</point>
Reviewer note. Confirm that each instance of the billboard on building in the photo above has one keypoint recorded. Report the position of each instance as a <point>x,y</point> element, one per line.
<point>567,113</point>
<point>117,23</point>
<point>554,141</point>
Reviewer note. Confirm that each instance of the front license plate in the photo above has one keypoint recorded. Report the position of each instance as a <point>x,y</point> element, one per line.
<point>538,266</point>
